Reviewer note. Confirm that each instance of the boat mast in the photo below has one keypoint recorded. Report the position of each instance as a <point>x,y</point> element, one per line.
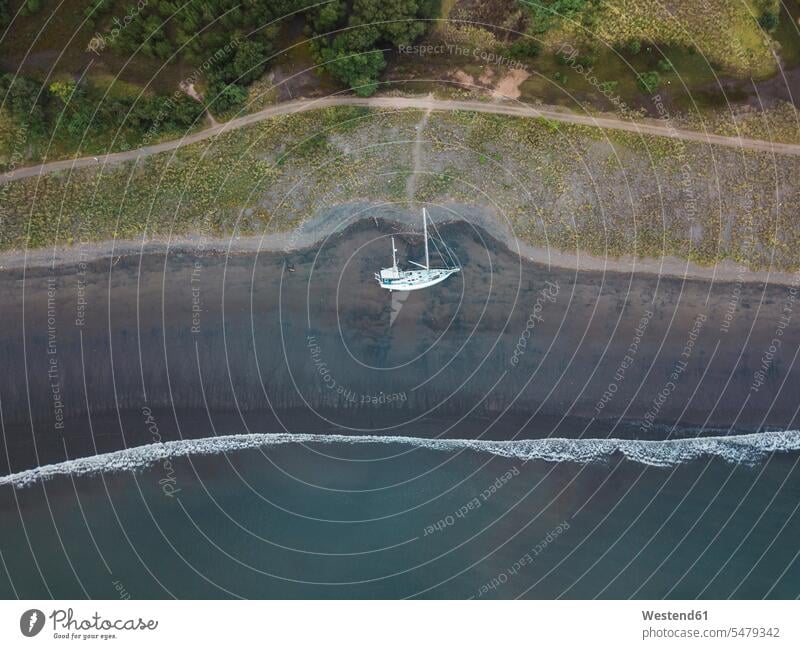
<point>425,228</point>
<point>394,255</point>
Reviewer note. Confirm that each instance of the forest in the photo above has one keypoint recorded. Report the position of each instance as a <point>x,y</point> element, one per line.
<point>232,42</point>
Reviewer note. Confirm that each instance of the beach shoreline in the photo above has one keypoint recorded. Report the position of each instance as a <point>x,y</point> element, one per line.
<point>315,230</point>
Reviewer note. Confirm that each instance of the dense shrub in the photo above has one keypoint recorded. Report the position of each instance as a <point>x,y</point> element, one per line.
<point>648,82</point>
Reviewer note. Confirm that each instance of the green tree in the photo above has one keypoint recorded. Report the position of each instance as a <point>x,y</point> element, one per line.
<point>249,62</point>
<point>648,82</point>
<point>25,101</point>
<point>222,97</point>
<point>547,14</point>
<point>608,87</point>
<point>524,46</point>
<point>358,70</point>
<point>392,21</point>
<point>665,65</point>
<point>769,21</point>
<point>76,111</point>
<point>325,18</point>
<point>183,112</point>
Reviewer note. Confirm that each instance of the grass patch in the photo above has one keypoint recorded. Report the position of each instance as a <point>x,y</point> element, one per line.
<point>726,32</point>
<point>608,193</point>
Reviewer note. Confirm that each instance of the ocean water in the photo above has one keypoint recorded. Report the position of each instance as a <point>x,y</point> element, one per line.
<point>398,520</point>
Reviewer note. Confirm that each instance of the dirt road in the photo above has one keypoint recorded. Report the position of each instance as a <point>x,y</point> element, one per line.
<point>424,103</point>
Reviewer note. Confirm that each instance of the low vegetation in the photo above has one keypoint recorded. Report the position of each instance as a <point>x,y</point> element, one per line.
<point>736,36</point>
<point>779,123</point>
<point>574,188</point>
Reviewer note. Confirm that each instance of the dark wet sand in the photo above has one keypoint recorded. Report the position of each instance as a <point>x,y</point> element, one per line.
<point>255,352</point>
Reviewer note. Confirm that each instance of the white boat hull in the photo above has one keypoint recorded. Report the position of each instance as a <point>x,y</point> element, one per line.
<point>413,280</point>
<point>394,279</point>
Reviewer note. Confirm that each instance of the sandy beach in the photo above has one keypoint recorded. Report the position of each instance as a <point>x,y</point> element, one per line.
<point>221,344</point>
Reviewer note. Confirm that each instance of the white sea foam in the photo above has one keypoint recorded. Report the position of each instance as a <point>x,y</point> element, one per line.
<point>746,449</point>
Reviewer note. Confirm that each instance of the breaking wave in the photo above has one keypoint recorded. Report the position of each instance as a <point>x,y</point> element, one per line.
<point>745,449</point>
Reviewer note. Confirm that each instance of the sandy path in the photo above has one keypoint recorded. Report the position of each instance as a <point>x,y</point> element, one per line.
<point>646,127</point>
<point>411,185</point>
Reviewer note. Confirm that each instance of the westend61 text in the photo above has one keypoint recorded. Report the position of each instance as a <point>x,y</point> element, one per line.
<point>673,615</point>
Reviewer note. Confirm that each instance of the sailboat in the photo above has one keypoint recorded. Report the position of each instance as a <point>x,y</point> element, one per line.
<point>395,279</point>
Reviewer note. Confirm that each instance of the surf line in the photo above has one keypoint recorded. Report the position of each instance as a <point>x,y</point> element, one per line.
<point>747,448</point>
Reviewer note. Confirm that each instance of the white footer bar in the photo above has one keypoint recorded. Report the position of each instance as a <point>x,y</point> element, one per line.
<point>388,624</point>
